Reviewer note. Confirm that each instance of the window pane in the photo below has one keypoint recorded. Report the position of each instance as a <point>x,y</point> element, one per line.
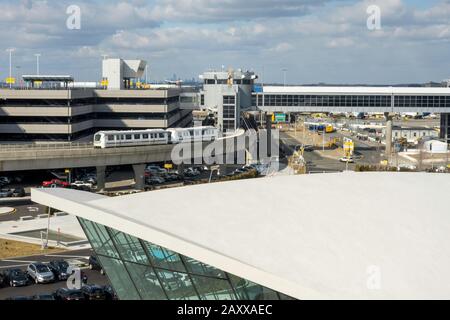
<point>285,297</point>
<point>213,289</point>
<point>146,281</point>
<point>129,247</point>
<point>177,285</point>
<point>99,238</point>
<point>196,267</point>
<point>247,290</point>
<point>164,258</point>
<point>119,278</point>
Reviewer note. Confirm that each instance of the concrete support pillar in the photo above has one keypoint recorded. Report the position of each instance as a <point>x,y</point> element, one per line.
<point>445,127</point>
<point>388,137</point>
<point>269,134</point>
<point>139,176</point>
<point>223,170</point>
<point>181,168</point>
<point>101,178</point>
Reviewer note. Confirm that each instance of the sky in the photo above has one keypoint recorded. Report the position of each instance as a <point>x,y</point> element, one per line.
<point>316,41</point>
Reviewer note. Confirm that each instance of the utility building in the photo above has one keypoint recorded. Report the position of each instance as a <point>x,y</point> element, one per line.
<point>119,73</point>
<point>227,93</point>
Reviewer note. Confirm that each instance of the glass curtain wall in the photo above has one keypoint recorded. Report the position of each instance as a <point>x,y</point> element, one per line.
<point>139,270</point>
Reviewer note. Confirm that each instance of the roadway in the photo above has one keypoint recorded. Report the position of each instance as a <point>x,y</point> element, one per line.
<point>365,153</point>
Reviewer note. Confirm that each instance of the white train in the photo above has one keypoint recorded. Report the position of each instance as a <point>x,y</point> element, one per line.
<point>115,139</point>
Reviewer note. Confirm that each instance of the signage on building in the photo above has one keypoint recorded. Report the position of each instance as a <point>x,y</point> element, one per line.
<point>279,117</point>
<point>10,80</point>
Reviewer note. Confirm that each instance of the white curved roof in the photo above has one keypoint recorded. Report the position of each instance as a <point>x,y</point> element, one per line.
<point>331,236</point>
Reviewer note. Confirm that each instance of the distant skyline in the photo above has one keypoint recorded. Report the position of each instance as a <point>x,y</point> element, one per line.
<point>317,41</point>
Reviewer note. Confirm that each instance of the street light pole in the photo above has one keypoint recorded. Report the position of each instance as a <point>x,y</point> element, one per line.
<point>37,55</point>
<point>10,66</point>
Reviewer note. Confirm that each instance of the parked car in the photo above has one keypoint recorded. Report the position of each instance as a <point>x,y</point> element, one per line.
<point>89,178</point>
<point>155,180</point>
<point>191,172</point>
<point>110,293</point>
<point>64,294</point>
<point>201,168</point>
<point>172,177</point>
<point>348,160</point>
<point>59,269</point>
<point>155,169</point>
<point>6,193</point>
<point>94,264</point>
<point>20,298</point>
<point>93,292</point>
<point>308,148</point>
<point>40,273</point>
<point>46,297</point>
<point>55,183</point>
<point>4,181</point>
<point>19,193</point>
<point>82,185</point>
<point>15,278</point>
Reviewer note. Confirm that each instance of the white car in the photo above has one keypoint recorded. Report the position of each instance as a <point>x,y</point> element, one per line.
<point>347,160</point>
<point>82,184</point>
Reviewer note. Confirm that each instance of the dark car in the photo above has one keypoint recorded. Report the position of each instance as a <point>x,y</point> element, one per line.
<point>20,298</point>
<point>44,297</point>
<point>15,278</point>
<point>19,193</point>
<point>95,265</point>
<point>59,269</point>
<point>110,293</point>
<point>93,292</point>
<point>2,280</point>
<point>64,294</point>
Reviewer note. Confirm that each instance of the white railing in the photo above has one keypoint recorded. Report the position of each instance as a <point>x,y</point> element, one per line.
<point>46,146</point>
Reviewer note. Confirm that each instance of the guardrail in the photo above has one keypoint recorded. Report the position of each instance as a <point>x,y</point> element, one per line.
<point>46,146</point>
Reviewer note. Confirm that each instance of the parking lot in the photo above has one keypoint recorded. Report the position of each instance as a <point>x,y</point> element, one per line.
<point>79,258</point>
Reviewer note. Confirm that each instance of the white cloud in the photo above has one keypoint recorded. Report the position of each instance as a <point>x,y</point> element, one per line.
<point>185,36</point>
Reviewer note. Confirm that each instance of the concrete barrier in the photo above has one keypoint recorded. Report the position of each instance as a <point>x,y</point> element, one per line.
<point>42,216</point>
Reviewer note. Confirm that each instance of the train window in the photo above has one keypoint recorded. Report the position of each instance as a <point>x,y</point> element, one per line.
<point>128,137</point>
<point>145,136</point>
<point>161,135</point>
<point>97,137</point>
<point>122,137</point>
<point>137,137</point>
<point>111,138</point>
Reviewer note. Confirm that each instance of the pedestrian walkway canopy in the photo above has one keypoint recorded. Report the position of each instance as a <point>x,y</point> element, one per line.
<point>33,79</point>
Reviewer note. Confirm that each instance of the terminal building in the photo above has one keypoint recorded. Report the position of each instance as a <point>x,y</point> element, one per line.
<point>386,100</point>
<point>282,247</point>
